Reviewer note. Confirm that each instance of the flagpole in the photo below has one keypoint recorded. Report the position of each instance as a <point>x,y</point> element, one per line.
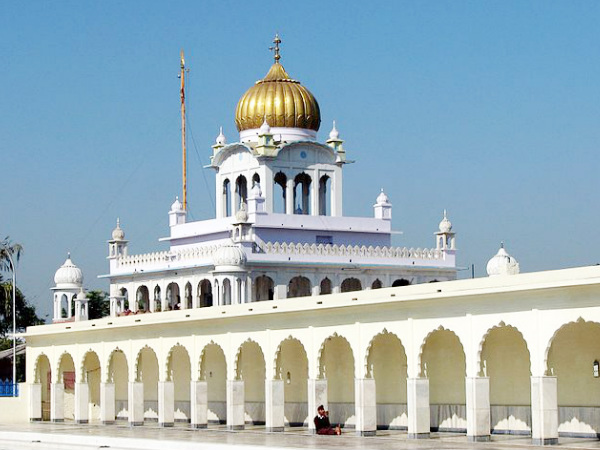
<point>183,147</point>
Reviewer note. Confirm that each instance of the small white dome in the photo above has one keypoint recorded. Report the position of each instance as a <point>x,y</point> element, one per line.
<point>68,276</point>
<point>81,295</point>
<point>382,198</point>
<point>445,224</point>
<point>229,255</point>
<point>242,214</point>
<point>118,234</point>
<point>221,139</point>
<point>502,264</point>
<point>177,205</point>
<point>334,134</point>
<point>264,128</point>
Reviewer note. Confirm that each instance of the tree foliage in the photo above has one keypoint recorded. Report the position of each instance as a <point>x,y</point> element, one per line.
<point>98,304</point>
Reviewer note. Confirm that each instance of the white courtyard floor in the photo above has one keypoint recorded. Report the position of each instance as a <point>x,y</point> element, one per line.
<point>47,436</point>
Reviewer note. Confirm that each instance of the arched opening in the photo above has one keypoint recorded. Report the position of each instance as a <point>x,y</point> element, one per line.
<point>119,374</point>
<point>351,284</point>
<point>336,365</point>
<point>377,284</point>
<point>387,364</point>
<point>180,371</point>
<point>443,362</point>
<point>226,198</point>
<point>157,301</point>
<point>263,288</point>
<point>325,286</point>
<point>188,298</point>
<point>299,287</point>
<point>251,369</point>
<point>213,369</point>
<point>324,189</point>
<point>279,193</point>
<point>292,365</point>
<point>43,375</point>
<point>400,282</point>
<point>65,307</point>
<point>571,358</point>
<point>142,297</point>
<point>226,292</point>
<point>241,191</point>
<point>124,298</point>
<point>205,293</point>
<point>255,179</point>
<point>505,360</point>
<point>173,297</point>
<point>66,373</point>
<point>302,193</point>
<point>147,373</point>
<point>92,375</point>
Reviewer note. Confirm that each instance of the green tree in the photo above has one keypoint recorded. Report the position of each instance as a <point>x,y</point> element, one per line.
<point>98,304</point>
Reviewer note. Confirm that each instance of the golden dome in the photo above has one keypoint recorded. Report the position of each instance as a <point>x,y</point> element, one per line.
<point>282,101</point>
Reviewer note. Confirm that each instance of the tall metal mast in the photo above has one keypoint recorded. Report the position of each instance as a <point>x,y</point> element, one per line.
<point>182,94</point>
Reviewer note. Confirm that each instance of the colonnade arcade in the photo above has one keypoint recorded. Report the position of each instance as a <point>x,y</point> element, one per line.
<point>227,289</point>
<point>508,378</point>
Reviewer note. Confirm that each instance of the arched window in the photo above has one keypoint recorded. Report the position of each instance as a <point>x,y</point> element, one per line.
<point>188,296</point>
<point>125,298</point>
<point>173,297</point>
<point>325,286</point>
<point>226,292</point>
<point>302,193</point>
<point>299,287</point>
<point>279,193</point>
<point>241,191</point>
<point>143,299</point>
<point>64,306</point>
<point>324,188</point>
<point>377,284</point>
<point>351,284</point>
<point>226,198</point>
<point>255,179</point>
<point>263,289</point>
<point>157,305</point>
<point>400,282</point>
<point>205,294</point>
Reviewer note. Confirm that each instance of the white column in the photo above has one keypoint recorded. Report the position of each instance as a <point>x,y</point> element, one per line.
<point>317,395</point>
<point>478,409</point>
<point>35,402</point>
<point>107,403</point>
<point>544,410</point>
<point>289,197</point>
<point>135,401</point>
<point>316,289</point>
<point>418,408</point>
<point>82,399</point>
<point>280,291</point>
<point>365,404</point>
<point>199,404</point>
<point>314,194</point>
<point>274,404</point>
<point>235,405</point>
<point>166,403</point>
<point>57,402</point>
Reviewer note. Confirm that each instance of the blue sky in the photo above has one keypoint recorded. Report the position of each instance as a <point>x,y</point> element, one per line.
<point>488,109</point>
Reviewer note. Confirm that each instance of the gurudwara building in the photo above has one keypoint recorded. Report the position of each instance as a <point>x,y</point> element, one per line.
<point>281,303</point>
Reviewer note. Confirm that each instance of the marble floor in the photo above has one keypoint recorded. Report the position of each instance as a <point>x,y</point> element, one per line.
<point>69,436</point>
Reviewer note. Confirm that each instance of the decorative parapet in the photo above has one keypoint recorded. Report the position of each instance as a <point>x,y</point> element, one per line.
<point>347,250</point>
<point>147,259</point>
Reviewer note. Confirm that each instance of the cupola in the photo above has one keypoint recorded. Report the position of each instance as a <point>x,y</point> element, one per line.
<point>502,263</point>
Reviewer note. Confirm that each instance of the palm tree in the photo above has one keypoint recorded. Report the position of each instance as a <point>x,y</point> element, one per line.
<point>7,248</point>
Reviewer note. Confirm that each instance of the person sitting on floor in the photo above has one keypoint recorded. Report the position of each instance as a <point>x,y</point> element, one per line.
<point>322,424</point>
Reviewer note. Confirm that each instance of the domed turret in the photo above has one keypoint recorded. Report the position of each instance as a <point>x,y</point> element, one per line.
<point>445,225</point>
<point>279,100</point>
<point>68,276</point>
<point>502,263</point>
<point>229,257</point>
<point>118,234</point>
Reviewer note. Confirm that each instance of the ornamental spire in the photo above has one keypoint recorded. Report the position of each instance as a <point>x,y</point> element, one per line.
<point>275,48</point>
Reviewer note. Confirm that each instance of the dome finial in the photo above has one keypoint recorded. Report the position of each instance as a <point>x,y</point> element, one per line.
<point>275,48</point>
<point>221,140</point>
<point>334,134</point>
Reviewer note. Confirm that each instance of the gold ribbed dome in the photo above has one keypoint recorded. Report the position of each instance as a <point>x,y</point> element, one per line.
<point>283,101</point>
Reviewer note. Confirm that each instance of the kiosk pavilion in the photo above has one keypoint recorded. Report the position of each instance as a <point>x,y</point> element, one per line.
<point>282,303</point>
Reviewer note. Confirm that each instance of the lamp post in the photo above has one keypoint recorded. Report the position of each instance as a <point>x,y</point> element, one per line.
<point>14,319</point>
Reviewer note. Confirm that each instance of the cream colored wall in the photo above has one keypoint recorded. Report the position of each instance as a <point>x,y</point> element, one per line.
<point>15,409</point>
<point>505,359</point>
<point>180,370</point>
<point>214,371</point>
<point>444,360</point>
<point>251,366</point>
<point>148,370</point>
<point>338,364</point>
<point>571,358</point>
<point>292,359</point>
<point>388,366</point>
